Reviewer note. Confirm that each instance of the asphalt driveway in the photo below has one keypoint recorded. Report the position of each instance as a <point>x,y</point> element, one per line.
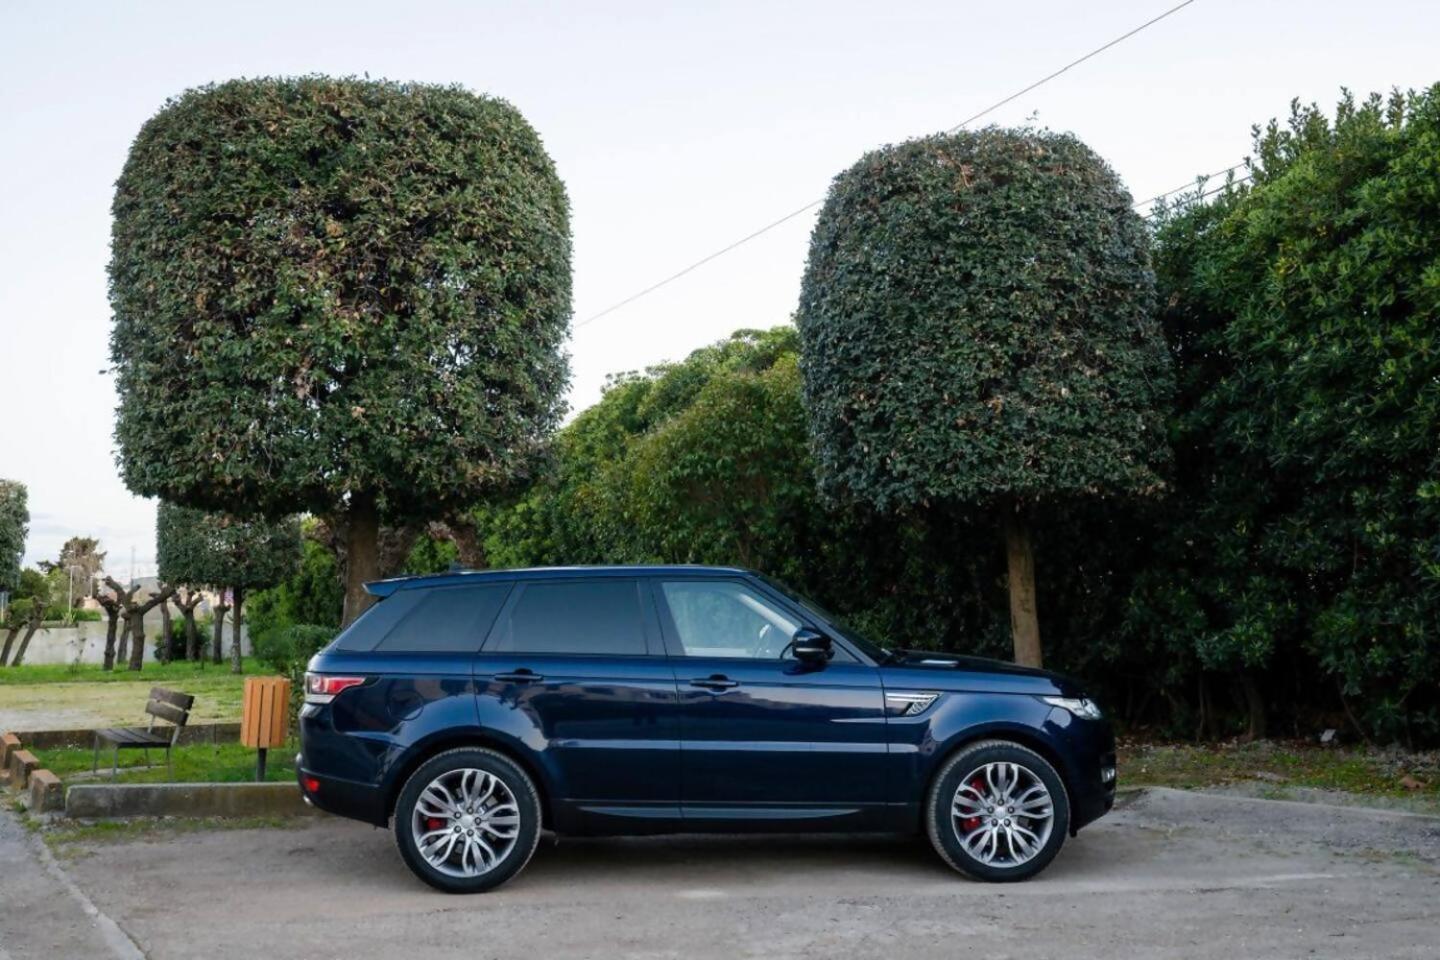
<point>1170,874</point>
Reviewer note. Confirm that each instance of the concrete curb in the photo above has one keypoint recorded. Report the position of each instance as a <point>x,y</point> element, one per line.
<point>95,800</point>
<point>193,733</point>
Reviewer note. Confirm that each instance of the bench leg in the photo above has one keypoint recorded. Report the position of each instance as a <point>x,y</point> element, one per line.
<point>95,765</point>
<point>147,758</point>
<point>115,763</point>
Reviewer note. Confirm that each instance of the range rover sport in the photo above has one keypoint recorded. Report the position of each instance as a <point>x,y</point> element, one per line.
<point>474,709</point>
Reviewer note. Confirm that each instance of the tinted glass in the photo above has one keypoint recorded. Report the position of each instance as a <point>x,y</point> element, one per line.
<point>372,625</point>
<point>596,617</point>
<point>720,618</point>
<point>447,620</point>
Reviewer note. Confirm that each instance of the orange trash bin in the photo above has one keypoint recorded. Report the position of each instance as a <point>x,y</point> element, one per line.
<point>265,716</point>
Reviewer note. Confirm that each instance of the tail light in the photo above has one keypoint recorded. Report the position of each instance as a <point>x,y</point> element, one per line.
<point>322,688</point>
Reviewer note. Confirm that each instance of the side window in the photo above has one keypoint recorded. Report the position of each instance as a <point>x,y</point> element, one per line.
<point>447,620</point>
<point>580,617</point>
<point>721,618</point>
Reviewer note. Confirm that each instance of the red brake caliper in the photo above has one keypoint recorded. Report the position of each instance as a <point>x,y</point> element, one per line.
<point>433,823</point>
<point>970,823</point>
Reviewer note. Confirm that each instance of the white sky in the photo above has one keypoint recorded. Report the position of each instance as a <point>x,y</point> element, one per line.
<point>678,127</point>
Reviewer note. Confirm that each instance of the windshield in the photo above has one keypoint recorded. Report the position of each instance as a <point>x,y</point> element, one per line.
<point>871,649</point>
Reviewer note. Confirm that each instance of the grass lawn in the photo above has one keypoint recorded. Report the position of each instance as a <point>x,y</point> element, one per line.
<point>194,763</point>
<point>60,697</point>
<point>92,672</point>
<point>1275,766</point>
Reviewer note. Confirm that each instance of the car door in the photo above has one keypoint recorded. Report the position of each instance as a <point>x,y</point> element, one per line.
<point>575,670</point>
<point>762,734</point>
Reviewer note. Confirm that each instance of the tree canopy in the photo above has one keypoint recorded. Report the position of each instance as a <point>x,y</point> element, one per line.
<point>207,549</point>
<point>14,525</point>
<point>976,322</point>
<point>337,296</point>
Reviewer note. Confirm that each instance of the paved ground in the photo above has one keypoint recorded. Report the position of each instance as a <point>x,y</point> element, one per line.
<point>1171,874</point>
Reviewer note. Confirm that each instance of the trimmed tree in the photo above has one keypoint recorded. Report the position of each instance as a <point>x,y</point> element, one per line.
<point>978,333</point>
<point>340,297</point>
<point>134,612</point>
<point>194,547</point>
<point>14,524</point>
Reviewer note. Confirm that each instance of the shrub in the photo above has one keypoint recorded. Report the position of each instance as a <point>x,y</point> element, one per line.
<point>287,649</point>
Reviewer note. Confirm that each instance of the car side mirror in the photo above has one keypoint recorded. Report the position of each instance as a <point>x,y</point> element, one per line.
<point>810,646</point>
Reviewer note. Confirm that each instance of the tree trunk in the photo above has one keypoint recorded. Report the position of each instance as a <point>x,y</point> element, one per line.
<point>122,649</point>
<point>362,556</point>
<point>236,654</point>
<point>192,634</point>
<point>1020,557</point>
<point>37,614</point>
<point>10,635</point>
<point>1254,707</point>
<point>167,634</point>
<point>218,641</point>
<point>137,639</point>
<point>112,624</point>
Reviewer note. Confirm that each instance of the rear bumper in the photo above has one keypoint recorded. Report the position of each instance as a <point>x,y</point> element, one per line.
<point>344,798</point>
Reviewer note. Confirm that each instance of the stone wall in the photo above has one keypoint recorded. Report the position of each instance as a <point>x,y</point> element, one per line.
<point>86,640</point>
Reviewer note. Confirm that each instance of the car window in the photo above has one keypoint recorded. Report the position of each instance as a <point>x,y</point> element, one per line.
<point>721,618</point>
<point>447,620</point>
<point>595,617</point>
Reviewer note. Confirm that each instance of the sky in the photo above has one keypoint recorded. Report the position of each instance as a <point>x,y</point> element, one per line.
<point>678,128</point>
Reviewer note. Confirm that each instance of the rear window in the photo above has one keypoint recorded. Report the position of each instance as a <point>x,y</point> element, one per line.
<point>595,617</point>
<point>432,620</point>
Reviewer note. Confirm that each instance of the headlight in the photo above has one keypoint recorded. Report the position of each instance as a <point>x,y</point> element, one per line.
<point>1082,707</point>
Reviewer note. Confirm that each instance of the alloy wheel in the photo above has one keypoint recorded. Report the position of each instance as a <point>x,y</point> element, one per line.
<point>465,822</point>
<point>1002,814</point>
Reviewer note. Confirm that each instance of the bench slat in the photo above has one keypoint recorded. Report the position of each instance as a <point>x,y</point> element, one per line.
<point>173,697</point>
<point>166,711</point>
<point>125,739</point>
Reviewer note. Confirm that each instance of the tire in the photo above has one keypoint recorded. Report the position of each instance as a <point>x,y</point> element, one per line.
<point>464,866</point>
<point>1022,846</point>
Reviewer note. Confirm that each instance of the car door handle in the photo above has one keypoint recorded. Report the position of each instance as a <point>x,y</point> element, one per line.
<point>715,682</point>
<point>519,676</point>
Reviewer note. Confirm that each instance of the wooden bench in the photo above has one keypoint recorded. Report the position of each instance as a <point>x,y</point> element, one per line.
<point>169,705</point>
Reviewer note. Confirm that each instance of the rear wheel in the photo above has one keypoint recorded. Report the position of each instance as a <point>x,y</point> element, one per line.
<point>997,811</point>
<point>467,820</point>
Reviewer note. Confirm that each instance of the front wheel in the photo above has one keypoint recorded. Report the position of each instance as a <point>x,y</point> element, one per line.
<point>998,812</point>
<point>467,820</point>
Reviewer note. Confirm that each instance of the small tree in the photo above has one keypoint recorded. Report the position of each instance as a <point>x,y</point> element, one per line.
<point>194,547</point>
<point>134,612</point>
<point>32,623</point>
<point>114,606</point>
<point>340,297</point>
<point>14,524</point>
<point>186,601</point>
<point>977,332</point>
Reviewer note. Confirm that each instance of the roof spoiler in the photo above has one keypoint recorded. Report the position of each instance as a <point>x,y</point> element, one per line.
<point>383,588</point>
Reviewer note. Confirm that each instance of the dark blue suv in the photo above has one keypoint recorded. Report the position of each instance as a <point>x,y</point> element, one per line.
<point>476,709</point>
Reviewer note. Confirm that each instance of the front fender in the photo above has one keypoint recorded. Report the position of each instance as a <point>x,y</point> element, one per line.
<point>921,744</point>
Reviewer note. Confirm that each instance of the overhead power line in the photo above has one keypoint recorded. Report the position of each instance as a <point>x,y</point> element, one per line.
<point>1190,184</point>
<point>815,203</point>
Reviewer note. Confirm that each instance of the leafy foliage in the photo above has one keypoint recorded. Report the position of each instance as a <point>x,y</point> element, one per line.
<point>977,325</point>
<point>198,548</point>
<point>14,525</point>
<point>286,650</point>
<point>1304,315</point>
<point>311,595</point>
<point>329,289</point>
